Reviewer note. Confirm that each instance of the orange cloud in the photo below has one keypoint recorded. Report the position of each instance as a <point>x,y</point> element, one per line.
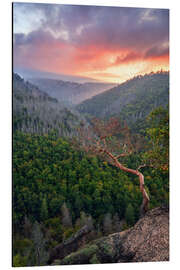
<point>90,40</point>
<point>95,61</point>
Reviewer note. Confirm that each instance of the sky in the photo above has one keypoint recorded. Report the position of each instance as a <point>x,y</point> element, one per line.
<point>110,44</point>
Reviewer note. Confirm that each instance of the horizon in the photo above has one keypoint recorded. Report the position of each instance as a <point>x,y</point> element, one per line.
<point>104,44</point>
<point>26,78</point>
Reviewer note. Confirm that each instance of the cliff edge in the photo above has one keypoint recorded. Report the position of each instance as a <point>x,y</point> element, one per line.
<point>146,241</point>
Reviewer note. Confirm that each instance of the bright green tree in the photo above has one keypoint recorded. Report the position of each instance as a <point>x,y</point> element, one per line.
<point>158,135</point>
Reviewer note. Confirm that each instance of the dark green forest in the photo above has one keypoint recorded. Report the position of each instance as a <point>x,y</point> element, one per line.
<point>132,100</point>
<point>58,188</point>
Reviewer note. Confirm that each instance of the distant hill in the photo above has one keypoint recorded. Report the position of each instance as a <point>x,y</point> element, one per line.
<point>36,112</point>
<point>28,73</point>
<point>70,92</point>
<point>132,100</point>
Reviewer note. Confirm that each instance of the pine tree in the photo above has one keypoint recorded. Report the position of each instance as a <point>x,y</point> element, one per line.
<point>84,220</point>
<point>129,215</point>
<point>44,209</point>
<point>66,216</point>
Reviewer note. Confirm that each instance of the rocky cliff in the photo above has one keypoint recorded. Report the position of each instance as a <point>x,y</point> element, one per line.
<point>147,241</point>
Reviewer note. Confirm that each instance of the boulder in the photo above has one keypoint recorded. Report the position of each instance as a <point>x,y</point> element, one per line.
<point>146,241</point>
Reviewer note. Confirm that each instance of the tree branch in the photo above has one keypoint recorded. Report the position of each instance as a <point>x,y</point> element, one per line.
<point>144,165</point>
<point>102,147</point>
<point>141,166</point>
<point>122,155</point>
<point>144,206</point>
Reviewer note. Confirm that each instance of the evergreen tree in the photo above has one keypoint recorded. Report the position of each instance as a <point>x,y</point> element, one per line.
<point>129,215</point>
<point>66,216</point>
<point>44,209</point>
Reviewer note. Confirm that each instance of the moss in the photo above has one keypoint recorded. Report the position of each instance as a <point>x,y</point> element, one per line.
<point>81,256</point>
<point>107,248</point>
<point>89,250</point>
<point>94,260</point>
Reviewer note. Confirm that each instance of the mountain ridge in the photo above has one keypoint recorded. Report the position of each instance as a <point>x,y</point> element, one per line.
<point>34,111</point>
<point>132,100</point>
<point>28,73</point>
<point>71,93</point>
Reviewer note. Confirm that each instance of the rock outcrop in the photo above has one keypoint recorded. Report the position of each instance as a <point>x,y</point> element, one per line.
<point>71,244</point>
<point>146,241</point>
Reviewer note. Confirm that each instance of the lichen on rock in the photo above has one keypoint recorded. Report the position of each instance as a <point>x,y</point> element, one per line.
<point>146,241</point>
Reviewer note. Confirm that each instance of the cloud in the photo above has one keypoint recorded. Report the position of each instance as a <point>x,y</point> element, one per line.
<point>116,28</point>
<point>112,27</point>
<point>39,49</point>
<point>107,74</point>
<point>157,51</point>
<point>129,57</point>
<point>75,39</point>
<point>37,37</point>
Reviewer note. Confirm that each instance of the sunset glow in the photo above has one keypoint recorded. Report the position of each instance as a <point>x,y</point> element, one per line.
<point>104,43</point>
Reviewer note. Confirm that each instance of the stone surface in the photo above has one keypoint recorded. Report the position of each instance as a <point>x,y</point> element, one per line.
<point>149,238</point>
<point>70,245</point>
<point>146,241</point>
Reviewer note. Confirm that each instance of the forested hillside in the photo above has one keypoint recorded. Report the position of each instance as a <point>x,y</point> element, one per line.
<point>57,190</point>
<point>90,140</point>
<point>132,100</point>
<point>35,111</point>
<point>58,186</point>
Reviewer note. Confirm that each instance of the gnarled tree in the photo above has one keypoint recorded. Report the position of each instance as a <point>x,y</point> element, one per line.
<point>112,141</point>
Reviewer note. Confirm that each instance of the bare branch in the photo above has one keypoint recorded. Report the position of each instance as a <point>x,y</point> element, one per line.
<point>144,165</point>
<point>107,138</point>
<point>141,166</point>
<point>122,155</point>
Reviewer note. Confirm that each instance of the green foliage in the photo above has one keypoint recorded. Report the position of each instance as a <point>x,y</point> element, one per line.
<point>158,135</point>
<point>22,245</point>
<point>19,261</point>
<point>44,209</point>
<point>51,167</point>
<point>67,233</point>
<point>57,189</point>
<point>132,100</point>
<point>129,214</point>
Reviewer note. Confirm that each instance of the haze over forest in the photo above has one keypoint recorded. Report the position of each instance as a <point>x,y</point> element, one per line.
<point>90,134</point>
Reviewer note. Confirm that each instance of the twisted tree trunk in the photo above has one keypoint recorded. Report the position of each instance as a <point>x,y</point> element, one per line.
<point>145,202</point>
<point>99,145</point>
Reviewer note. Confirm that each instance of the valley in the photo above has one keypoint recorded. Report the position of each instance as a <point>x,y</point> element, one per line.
<point>90,134</point>
<point>70,93</point>
<point>60,188</point>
